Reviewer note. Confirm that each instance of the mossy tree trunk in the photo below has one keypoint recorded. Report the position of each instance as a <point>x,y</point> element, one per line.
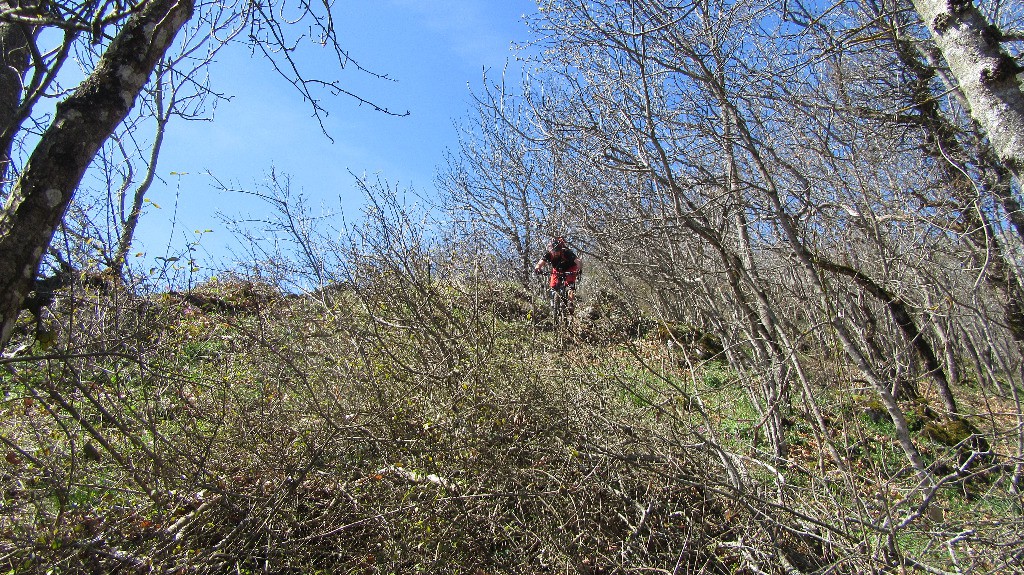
<point>81,124</point>
<point>986,73</point>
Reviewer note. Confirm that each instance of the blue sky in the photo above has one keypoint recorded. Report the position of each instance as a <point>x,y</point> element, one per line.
<point>435,51</point>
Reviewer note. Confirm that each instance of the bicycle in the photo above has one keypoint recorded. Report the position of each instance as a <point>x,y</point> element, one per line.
<point>563,301</point>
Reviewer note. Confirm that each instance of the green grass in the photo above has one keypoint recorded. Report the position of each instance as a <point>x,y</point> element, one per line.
<point>716,375</point>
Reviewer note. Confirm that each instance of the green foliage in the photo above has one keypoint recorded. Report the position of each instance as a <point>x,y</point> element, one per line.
<point>875,416</point>
<point>740,419</point>
<point>716,375</point>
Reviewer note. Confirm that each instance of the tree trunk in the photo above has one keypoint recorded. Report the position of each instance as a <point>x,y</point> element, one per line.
<point>14,62</point>
<point>899,419</point>
<point>987,75</point>
<point>80,126</point>
<point>901,314</point>
<point>944,147</point>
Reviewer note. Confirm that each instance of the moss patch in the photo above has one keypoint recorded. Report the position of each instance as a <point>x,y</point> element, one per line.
<point>951,432</point>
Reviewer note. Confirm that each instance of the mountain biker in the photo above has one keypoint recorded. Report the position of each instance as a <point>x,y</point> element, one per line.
<point>565,266</point>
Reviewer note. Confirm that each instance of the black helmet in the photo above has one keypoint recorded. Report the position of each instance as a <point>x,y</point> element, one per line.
<point>557,244</point>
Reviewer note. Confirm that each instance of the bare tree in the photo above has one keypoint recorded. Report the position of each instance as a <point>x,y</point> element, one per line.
<point>82,123</point>
<point>496,184</point>
<point>128,43</point>
<point>780,156</point>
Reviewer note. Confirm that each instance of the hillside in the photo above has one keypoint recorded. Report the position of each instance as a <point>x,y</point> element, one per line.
<point>448,428</point>
<point>800,345</point>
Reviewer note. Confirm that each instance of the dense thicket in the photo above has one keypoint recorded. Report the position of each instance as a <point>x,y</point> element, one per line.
<point>782,176</point>
<point>809,183</point>
<point>799,349</point>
